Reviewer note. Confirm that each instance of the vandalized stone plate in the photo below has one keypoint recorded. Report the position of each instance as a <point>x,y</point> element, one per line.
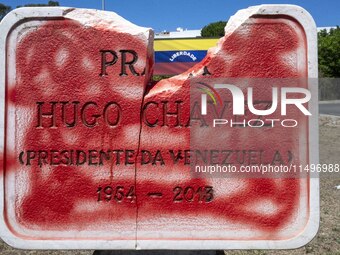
<point>93,158</point>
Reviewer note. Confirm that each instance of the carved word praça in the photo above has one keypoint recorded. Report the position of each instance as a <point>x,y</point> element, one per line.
<point>110,58</point>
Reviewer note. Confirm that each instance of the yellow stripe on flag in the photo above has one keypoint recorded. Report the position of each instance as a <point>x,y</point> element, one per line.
<point>184,44</point>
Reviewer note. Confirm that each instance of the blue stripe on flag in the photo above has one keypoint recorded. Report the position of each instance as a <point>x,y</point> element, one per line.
<point>179,56</point>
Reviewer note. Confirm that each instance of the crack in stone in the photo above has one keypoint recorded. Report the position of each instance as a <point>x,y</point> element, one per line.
<point>146,91</point>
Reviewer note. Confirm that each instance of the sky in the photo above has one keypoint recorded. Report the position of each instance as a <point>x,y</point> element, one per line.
<point>190,14</point>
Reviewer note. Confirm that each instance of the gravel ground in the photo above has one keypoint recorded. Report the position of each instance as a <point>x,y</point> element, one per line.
<point>327,240</point>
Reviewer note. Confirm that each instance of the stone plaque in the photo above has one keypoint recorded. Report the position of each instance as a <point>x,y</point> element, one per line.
<point>95,157</point>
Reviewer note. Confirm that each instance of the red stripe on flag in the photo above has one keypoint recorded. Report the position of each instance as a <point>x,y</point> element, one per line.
<point>172,68</point>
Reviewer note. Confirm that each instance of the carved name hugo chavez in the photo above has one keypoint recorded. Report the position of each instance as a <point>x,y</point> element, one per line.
<point>69,114</point>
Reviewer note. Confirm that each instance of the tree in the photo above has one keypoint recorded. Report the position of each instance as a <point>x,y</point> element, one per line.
<point>50,3</point>
<point>329,52</point>
<point>4,9</point>
<point>215,29</point>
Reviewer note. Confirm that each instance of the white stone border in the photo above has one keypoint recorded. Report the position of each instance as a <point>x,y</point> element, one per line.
<point>306,21</point>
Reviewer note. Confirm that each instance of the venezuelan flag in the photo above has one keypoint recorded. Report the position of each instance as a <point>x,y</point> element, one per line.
<point>174,56</point>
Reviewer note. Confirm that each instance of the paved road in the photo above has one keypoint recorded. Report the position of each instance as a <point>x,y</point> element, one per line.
<point>330,108</point>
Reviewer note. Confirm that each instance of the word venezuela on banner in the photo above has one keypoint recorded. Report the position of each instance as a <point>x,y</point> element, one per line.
<point>94,157</point>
